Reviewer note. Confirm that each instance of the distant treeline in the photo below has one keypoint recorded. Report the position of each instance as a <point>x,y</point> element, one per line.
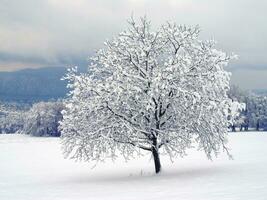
<point>40,119</point>
<point>254,116</point>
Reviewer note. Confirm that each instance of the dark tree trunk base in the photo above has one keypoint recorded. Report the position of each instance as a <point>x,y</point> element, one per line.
<point>156,160</point>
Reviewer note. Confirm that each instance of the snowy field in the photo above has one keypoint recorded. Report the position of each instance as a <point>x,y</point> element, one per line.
<point>34,169</point>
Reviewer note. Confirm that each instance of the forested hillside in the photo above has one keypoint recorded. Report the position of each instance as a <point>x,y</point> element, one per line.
<point>32,85</point>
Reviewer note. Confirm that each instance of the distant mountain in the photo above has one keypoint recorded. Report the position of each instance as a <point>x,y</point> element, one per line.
<point>32,85</point>
<point>262,92</point>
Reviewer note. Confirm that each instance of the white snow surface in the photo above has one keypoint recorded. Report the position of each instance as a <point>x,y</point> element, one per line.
<point>34,169</point>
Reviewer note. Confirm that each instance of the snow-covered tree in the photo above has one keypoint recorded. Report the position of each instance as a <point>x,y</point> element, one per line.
<point>257,111</point>
<point>237,94</point>
<point>243,97</point>
<point>11,118</point>
<point>43,119</point>
<point>159,91</point>
<point>235,114</point>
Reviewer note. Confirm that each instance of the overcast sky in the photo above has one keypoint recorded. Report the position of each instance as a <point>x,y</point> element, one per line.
<point>38,33</point>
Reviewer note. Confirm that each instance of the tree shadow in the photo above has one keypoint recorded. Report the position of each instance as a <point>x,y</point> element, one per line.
<point>179,174</point>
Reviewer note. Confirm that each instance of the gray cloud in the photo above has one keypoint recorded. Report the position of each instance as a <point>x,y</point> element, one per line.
<point>64,32</point>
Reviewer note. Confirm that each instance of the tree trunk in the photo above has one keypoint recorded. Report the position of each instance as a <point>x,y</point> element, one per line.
<point>258,125</point>
<point>156,160</point>
<point>155,152</point>
<point>233,128</point>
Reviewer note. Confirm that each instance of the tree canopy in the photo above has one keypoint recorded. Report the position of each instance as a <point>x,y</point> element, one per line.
<point>160,91</point>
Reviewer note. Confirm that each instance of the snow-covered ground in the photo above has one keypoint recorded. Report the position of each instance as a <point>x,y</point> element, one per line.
<point>34,169</point>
